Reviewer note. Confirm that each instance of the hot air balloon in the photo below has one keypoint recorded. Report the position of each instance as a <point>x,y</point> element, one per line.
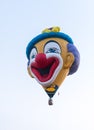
<point>51,56</point>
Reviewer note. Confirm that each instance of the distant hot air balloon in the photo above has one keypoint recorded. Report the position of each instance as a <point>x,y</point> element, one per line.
<point>51,57</point>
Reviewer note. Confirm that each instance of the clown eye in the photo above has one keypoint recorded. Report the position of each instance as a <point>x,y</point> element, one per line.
<point>52,47</point>
<point>33,53</point>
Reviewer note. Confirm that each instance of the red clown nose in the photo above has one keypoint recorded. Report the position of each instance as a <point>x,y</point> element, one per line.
<point>41,60</point>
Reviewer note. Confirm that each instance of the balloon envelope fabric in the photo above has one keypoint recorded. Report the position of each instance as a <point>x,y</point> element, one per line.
<point>51,57</point>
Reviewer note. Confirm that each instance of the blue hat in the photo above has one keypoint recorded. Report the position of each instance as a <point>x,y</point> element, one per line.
<point>50,33</point>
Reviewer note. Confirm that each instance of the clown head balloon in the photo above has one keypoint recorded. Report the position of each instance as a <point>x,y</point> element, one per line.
<point>51,57</point>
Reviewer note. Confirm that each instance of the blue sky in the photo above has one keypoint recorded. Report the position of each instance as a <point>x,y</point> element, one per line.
<point>23,103</point>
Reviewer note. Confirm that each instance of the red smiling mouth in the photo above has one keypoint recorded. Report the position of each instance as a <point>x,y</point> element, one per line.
<point>44,68</point>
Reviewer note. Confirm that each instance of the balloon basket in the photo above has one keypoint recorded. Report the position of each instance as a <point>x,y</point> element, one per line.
<point>50,101</point>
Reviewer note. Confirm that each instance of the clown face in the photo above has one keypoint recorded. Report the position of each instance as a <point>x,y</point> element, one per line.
<point>51,57</point>
<point>46,66</point>
<point>47,59</point>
